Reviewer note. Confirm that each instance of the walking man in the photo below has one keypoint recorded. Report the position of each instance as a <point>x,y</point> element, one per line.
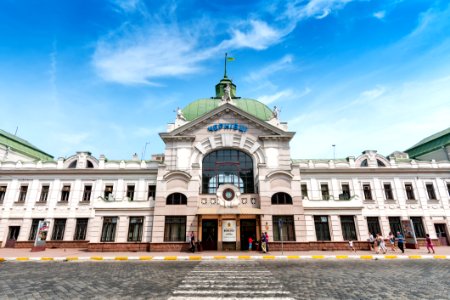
<point>400,241</point>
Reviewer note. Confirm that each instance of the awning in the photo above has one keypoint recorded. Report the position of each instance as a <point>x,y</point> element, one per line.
<point>220,210</point>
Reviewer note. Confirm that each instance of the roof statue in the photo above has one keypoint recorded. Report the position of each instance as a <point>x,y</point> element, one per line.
<point>227,93</point>
<point>180,119</point>
<point>276,112</point>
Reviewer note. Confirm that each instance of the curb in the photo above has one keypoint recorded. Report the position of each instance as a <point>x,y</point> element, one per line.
<point>226,257</point>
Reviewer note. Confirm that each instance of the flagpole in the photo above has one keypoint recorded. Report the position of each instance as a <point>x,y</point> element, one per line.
<point>225,74</point>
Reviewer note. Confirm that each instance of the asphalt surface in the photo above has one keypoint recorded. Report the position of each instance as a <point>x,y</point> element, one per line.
<point>324,279</point>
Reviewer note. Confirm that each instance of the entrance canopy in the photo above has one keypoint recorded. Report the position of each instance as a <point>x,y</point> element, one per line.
<point>229,211</point>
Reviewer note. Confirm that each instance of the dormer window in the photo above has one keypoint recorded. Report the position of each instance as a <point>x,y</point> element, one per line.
<point>73,164</point>
<point>89,164</point>
<point>364,163</point>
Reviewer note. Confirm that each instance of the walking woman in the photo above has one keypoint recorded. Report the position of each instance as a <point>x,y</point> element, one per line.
<point>392,241</point>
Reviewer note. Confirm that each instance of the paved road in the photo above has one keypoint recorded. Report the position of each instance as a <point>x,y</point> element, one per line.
<point>175,280</point>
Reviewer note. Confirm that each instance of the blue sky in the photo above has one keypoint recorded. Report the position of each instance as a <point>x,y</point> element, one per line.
<point>106,76</point>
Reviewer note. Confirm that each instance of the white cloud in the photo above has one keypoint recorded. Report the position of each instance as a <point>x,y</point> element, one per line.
<point>279,65</point>
<point>127,5</point>
<point>267,99</point>
<point>255,34</point>
<point>380,14</point>
<point>319,9</point>
<point>399,118</point>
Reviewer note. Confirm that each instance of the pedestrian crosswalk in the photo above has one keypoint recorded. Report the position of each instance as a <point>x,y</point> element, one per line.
<point>230,280</point>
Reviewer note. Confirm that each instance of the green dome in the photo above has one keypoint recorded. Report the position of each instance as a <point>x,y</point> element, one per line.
<point>202,106</point>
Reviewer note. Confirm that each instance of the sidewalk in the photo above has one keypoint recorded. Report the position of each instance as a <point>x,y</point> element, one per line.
<point>8,254</point>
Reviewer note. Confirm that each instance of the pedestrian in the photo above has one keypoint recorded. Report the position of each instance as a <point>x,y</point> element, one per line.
<point>377,243</point>
<point>192,242</point>
<point>267,242</point>
<point>400,241</point>
<point>351,246</point>
<point>263,243</point>
<point>382,244</point>
<point>392,241</point>
<point>250,243</point>
<point>371,241</point>
<point>429,243</point>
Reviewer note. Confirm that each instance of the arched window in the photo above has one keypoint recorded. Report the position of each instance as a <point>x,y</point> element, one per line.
<point>73,164</point>
<point>176,199</point>
<point>89,164</point>
<point>281,198</point>
<point>227,166</point>
<point>364,163</point>
<point>380,163</point>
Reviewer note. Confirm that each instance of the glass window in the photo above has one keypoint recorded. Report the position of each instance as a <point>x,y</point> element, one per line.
<point>151,192</point>
<point>304,191</point>
<point>130,192</point>
<point>65,193</point>
<point>108,192</point>
<point>227,166</point>
<point>418,227</point>
<point>395,225</point>
<point>175,229</point>
<point>325,192</point>
<point>87,193</point>
<point>281,198</point>
<point>448,188</point>
<point>2,193</point>
<point>109,229</point>
<point>34,228</point>
<point>135,229</point>
<point>23,193</point>
<point>388,191</point>
<point>176,199</point>
<point>367,192</point>
<point>348,228</point>
<point>287,228</point>
<point>322,228</point>
<point>409,191</point>
<point>373,224</point>
<point>430,191</point>
<point>80,230</point>
<point>345,192</point>
<point>380,163</point>
<point>364,163</point>
<point>44,193</point>
<point>58,229</point>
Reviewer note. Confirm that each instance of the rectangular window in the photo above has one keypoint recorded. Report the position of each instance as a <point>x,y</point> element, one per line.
<point>109,229</point>
<point>108,192</point>
<point>80,230</point>
<point>58,229</point>
<point>395,225</point>
<point>87,192</point>
<point>325,191</point>
<point>135,229</point>
<point>287,228</point>
<point>373,224</point>
<point>418,227</point>
<point>430,191</point>
<point>44,193</point>
<point>175,229</point>
<point>345,192</point>
<point>130,192</point>
<point>409,191</point>
<point>348,228</point>
<point>33,229</point>
<point>151,192</point>
<point>304,191</point>
<point>322,228</point>
<point>23,193</point>
<point>65,193</point>
<point>367,192</point>
<point>388,191</point>
<point>2,193</point>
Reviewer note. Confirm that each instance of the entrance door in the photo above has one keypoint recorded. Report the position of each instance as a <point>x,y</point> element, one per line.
<point>441,233</point>
<point>13,234</point>
<point>248,229</point>
<point>209,234</point>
